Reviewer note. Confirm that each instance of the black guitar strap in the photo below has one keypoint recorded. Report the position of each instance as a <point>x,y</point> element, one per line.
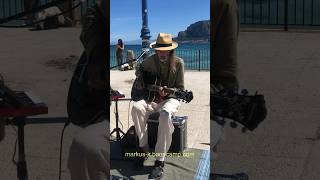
<point>168,73</point>
<point>159,73</point>
<point>157,63</point>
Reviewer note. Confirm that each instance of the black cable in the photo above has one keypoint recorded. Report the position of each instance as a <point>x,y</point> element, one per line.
<point>129,112</point>
<point>15,145</point>
<point>36,22</point>
<point>61,141</point>
<point>14,152</point>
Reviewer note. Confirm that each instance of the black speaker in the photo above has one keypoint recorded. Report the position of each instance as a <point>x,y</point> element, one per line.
<point>179,136</point>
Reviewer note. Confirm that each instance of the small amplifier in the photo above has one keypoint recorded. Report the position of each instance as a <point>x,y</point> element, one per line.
<point>179,136</point>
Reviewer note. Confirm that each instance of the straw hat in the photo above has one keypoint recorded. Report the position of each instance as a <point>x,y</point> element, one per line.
<point>164,43</point>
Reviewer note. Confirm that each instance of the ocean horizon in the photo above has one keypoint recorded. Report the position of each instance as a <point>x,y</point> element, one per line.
<point>195,56</point>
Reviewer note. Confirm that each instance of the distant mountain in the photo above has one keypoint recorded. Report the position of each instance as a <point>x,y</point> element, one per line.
<point>198,32</point>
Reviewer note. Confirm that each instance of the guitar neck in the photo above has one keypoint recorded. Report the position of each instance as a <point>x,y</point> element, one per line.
<point>169,90</point>
<point>158,89</point>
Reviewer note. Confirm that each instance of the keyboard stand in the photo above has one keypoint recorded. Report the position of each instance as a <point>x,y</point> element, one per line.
<point>18,117</point>
<point>22,172</point>
<point>117,130</point>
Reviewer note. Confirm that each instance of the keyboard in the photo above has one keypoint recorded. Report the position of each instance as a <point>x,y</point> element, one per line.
<point>20,103</point>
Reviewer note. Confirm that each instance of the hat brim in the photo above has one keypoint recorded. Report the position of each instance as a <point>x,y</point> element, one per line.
<point>173,46</point>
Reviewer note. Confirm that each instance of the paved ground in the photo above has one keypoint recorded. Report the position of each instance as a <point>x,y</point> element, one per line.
<point>23,58</point>
<point>283,66</point>
<point>286,68</point>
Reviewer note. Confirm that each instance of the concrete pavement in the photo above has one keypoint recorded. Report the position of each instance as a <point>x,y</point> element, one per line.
<point>285,68</point>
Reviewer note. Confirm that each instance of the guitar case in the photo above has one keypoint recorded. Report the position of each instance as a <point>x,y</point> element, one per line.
<point>84,104</point>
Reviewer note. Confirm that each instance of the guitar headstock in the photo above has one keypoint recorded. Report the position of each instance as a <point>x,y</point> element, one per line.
<point>184,95</point>
<point>248,110</point>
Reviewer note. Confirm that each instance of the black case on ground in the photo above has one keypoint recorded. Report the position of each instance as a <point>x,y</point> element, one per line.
<point>179,136</point>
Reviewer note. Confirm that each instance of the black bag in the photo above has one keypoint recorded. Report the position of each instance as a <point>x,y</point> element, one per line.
<point>129,140</point>
<point>129,143</point>
<point>51,23</point>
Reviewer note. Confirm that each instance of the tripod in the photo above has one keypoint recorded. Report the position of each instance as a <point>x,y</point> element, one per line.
<point>117,130</point>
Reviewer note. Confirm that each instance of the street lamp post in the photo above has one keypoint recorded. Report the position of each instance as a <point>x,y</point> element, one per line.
<point>145,32</point>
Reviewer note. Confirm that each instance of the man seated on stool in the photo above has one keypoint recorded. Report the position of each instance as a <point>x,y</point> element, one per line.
<point>170,68</point>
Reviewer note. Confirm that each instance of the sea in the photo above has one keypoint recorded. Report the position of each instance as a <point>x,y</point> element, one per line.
<point>195,56</point>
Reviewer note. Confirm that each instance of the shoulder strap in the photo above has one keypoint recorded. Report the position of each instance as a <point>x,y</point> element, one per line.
<point>83,66</point>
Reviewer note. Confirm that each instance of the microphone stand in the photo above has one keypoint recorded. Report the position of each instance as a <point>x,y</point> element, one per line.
<point>138,59</point>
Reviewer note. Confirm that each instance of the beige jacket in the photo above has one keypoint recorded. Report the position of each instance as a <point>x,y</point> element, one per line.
<point>175,79</point>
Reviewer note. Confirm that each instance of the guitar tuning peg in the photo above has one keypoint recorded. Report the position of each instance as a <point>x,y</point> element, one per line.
<point>220,121</point>
<point>233,124</point>
<point>244,92</point>
<point>244,130</point>
<point>223,122</point>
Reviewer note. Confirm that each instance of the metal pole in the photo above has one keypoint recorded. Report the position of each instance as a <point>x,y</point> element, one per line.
<point>145,32</point>
<point>22,172</point>
<point>286,15</point>
<point>199,60</point>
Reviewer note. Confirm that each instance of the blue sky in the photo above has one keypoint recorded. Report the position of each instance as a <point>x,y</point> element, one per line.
<point>170,16</point>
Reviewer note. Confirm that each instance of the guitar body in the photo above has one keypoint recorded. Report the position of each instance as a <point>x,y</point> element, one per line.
<point>137,94</point>
<point>153,80</point>
<point>147,79</point>
<point>151,89</point>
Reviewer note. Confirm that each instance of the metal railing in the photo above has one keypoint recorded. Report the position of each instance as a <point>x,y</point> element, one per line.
<point>193,59</point>
<point>280,12</point>
<point>12,7</point>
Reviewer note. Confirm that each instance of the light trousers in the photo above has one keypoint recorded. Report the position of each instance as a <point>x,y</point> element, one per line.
<point>140,113</point>
<point>89,153</point>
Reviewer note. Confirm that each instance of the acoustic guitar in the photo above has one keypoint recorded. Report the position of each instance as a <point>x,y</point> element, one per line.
<point>151,87</point>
